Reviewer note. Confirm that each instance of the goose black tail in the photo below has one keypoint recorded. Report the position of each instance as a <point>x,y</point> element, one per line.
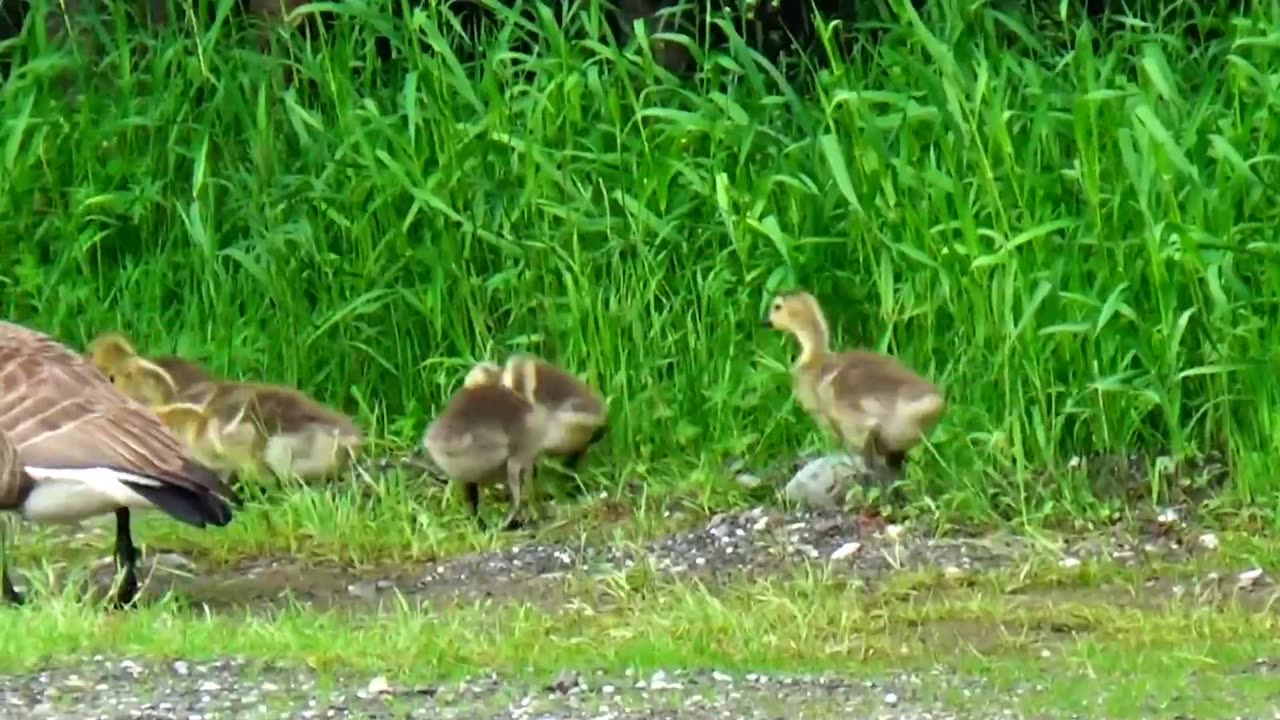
<point>201,501</point>
<point>193,507</point>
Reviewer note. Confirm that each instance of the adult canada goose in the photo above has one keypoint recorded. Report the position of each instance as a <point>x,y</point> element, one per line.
<point>875,404</point>
<point>86,449</point>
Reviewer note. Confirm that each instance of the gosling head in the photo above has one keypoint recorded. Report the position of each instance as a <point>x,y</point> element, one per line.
<point>794,312</point>
<point>482,374</point>
<point>109,352</point>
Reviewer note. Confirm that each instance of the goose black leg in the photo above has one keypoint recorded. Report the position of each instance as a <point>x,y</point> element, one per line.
<point>126,561</point>
<point>11,595</point>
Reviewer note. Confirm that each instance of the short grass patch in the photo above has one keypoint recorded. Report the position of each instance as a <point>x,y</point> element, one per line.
<point>1118,648</point>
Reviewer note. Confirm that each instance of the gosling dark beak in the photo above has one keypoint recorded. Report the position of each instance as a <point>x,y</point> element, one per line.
<point>766,323</point>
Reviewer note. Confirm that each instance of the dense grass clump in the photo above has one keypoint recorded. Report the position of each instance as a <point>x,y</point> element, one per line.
<point>1071,233</point>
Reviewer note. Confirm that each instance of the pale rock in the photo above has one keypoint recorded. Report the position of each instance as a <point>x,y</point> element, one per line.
<point>822,484</point>
<point>1248,578</point>
<point>846,550</point>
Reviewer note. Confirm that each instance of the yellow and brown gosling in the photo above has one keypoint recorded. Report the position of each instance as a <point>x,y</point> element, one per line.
<point>576,413</point>
<point>293,434</point>
<point>87,449</point>
<point>151,381</point>
<point>876,405</point>
<point>227,450</point>
<point>485,433</point>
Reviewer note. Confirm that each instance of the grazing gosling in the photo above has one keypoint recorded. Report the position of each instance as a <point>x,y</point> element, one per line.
<point>576,413</point>
<point>872,402</point>
<point>154,381</point>
<point>270,426</point>
<point>226,450</point>
<point>487,430</point>
<point>87,449</point>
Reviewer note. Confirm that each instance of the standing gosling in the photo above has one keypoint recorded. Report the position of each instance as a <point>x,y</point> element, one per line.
<point>487,430</point>
<point>872,402</point>
<point>576,413</point>
<point>86,449</point>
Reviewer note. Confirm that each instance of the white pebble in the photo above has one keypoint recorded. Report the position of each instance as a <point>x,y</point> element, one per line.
<point>846,550</point>
<point>1248,578</point>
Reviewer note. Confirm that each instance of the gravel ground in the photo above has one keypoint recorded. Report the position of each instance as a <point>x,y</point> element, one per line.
<point>764,542</point>
<point>233,689</point>
<point>759,541</point>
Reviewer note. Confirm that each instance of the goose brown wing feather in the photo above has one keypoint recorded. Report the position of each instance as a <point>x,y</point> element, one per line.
<point>59,411</point>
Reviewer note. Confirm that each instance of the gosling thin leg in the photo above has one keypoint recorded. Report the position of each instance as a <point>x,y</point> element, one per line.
<point>878,462</point>
<point>126,561</point>
<point>515,482</point>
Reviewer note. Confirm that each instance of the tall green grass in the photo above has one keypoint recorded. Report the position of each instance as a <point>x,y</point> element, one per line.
<point>1073,234</point>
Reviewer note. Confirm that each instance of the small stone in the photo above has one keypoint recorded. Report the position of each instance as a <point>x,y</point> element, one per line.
<point>1248,578</point>
<point>364,590</point>
<point>747,480</point>
<point>846,550</point>
<point>722,677</point>
<point>378,686</point>
<point>891,699</point>
<point>564,682</point>
<point>175,562</point>
<point>1168,516</point>
<point>659,681</point>
<point>894,531</point>
<point>1208,541</point>
<point>823,483</point>
<point>760,524</point>
<point>952,572</point>
<point>1069,563</point>
<point>209,686</point>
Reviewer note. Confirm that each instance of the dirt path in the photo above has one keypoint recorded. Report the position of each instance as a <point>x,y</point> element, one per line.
<point>755,543</point>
